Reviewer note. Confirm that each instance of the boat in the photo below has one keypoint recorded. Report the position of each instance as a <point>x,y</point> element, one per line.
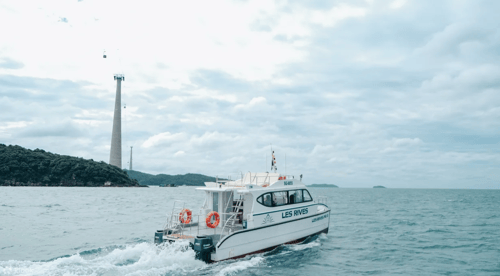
<point>254,214</point>
<point>167,185</point>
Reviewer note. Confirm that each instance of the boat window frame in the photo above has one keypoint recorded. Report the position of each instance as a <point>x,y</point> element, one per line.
<point>262,202</point>
<point>261,199</point>
<point>286,198</point>
<point>295,202</point>
<point>310,196</point>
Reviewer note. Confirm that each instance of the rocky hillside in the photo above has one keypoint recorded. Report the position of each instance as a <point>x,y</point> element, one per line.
<point>24,167</point>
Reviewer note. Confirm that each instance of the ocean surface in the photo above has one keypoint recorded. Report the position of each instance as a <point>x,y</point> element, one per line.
<point>109,231</point>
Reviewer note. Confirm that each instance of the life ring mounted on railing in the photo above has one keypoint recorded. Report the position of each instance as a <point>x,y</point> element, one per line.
<point>208,220</point>
<point>186,212</point>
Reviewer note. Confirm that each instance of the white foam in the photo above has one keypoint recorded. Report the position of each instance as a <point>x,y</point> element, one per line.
<point>139,259</point>
<point>323,237</point>
<point>302,246</point>
<point>240,265</point>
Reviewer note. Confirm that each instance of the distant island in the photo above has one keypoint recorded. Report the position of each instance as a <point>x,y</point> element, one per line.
<point>23,167</point>
<point>323,186</point>
<point>378,187</point>
<point>165,180</point>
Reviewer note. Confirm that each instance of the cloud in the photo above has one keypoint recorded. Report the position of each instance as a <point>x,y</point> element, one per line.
<point>358,93</point>
<point>338,13</point>
<point>179,153</point>
<point>397,4</point>
<point>162,138</point>
<point>8,63</point>
<point>401,142</point>
<point>253,104</point>
<point>63,129</point>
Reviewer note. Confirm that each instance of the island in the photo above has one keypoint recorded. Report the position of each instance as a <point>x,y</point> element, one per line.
<point>323,186</point>
<point>378,187</point>
<point>24,167</point>
<point>165,180</point>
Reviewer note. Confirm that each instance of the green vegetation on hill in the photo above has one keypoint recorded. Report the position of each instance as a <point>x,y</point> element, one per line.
<point>189,179</point>
<point>323,186</point>
<point>24,167</point>
<point>378,187</point>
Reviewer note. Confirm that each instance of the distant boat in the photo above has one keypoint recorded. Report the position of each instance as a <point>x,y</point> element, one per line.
<point>168,185</point>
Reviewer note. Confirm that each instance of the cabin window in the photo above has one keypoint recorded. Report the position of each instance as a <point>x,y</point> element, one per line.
<point>307,196</point>
<point>295,196</point>
<point>265,200</point>
<point>280,198</point>
<point>284,198</point>
<point>215,202</point>
<point>259,200</point>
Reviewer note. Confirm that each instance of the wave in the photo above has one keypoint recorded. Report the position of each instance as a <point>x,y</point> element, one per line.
<point>139,259</point>
<point>146,259</point>
<point>437,231</point>
<point>50,205</point>
<point>233,268</point>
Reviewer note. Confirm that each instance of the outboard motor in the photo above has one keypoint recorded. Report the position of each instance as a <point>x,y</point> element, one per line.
<point>203,246</point>
<point>159,237</point>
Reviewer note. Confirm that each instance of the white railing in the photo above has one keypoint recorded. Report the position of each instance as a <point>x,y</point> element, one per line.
<point>321,199</point>
<point>197,226</point>
<point>252,179</point>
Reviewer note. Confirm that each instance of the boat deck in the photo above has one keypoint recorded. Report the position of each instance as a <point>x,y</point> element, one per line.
<point>191,231</point>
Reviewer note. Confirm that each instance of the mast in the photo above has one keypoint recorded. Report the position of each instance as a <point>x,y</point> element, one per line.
<point>273,162</point>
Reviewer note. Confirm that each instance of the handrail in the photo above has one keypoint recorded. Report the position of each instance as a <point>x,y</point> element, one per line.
<point>197,224</point>
<point>321,199</point>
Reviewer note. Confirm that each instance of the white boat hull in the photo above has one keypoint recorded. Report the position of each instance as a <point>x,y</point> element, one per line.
<point>255,240</point>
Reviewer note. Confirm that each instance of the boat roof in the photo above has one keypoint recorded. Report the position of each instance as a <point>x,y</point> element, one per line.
<point>254,181</point>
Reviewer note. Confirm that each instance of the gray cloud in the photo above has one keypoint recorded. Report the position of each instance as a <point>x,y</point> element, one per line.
<point>8,63</point>
<point>401,98</point>
<point>65,129</point>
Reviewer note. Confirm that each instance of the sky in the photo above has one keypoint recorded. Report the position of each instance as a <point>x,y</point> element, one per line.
<point>399,93</point>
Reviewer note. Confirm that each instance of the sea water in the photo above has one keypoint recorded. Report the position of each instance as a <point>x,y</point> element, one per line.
<point>109,231</point>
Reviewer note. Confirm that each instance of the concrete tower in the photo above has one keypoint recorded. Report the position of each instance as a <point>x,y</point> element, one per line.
<point>130,168</point>
<point>115,156</point>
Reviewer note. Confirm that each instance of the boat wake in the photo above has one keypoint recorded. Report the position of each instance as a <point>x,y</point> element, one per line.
<point>139,259</point>
<point>145,259</point>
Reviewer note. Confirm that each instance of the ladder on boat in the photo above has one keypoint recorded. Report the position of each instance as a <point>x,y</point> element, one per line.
<point>234,216</point>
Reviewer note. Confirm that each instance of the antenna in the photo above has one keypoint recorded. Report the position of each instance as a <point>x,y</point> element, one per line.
<point>273,160</point>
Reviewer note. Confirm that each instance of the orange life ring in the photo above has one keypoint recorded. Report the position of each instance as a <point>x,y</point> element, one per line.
<point>181,216</point>
<point>208,220</point>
